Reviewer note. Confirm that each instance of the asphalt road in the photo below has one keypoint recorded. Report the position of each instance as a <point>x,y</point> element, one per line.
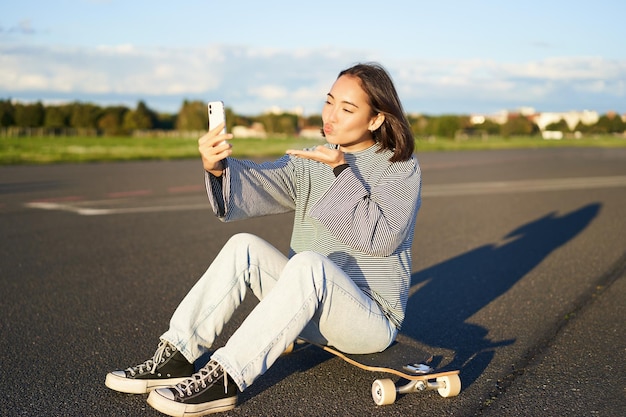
<point>519,282</point>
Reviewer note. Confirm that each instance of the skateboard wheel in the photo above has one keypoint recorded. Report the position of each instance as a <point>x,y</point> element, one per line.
<point>384,391</point>
<point>451,385</point>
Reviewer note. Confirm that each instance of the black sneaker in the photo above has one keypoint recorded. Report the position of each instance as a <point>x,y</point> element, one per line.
<point>166,368</point>
<point>208,391</point>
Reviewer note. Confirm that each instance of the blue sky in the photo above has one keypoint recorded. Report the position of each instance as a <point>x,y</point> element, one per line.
<point>445,56</point>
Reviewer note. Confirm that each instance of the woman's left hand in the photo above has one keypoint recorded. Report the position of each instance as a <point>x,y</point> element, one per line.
<point>331,157</point>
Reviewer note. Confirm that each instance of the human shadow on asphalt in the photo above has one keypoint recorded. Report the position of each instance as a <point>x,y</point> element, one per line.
<point>446,295</point>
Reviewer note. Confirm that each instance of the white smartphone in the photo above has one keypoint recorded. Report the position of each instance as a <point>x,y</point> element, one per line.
<point>217,114</point>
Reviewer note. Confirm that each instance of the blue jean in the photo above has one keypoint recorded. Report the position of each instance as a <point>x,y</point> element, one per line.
<point>305,296</point>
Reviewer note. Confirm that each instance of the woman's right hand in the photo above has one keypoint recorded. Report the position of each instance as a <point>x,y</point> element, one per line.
<point>213,147</point>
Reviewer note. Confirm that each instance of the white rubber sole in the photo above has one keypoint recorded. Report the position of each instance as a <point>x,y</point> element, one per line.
<point>138,386</point>
<point>175,409</point>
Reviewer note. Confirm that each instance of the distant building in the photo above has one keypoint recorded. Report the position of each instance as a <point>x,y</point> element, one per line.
<point>257,130</point>
<point>311,132</point>
<point>552,134</point>
<point>500,118</point>
<point>572,118</point>
<point>542,120</point>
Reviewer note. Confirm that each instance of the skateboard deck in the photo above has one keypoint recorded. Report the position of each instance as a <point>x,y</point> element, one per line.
<point>404,359</point>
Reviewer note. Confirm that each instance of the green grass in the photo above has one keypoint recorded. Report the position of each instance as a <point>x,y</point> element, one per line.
<point>41,150</point>
<point>520,142</point>
<point>44,150</point>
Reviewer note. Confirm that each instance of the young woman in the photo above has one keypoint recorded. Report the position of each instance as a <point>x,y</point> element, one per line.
<point>345,281</point>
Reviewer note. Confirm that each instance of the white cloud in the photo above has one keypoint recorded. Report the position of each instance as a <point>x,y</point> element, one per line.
<point>574,82</point>
<point>269,92</point>
<point>253,79</point>
<point>125,49</point>
<point>24,27</point>
<point>567,68</point>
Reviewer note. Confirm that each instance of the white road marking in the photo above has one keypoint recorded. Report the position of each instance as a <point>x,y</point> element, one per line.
<point>111,206</point>
<point>94,211</point>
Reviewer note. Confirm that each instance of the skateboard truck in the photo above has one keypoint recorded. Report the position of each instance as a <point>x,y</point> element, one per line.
<point>447,384</point>
<point>384,390</point>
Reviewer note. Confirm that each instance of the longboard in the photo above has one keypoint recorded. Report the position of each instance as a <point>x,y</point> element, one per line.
<point>405,360</point>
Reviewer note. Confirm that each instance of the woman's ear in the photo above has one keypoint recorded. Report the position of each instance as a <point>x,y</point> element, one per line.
<point>376,122</point>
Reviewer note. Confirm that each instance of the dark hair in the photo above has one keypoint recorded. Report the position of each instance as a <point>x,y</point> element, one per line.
<point>395,133</point>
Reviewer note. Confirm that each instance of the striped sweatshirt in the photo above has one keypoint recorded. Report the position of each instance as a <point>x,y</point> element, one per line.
<point>363,219</point>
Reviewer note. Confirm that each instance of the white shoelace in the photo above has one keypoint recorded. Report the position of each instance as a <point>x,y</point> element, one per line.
<point>200,379</point>
<point>150,365</point>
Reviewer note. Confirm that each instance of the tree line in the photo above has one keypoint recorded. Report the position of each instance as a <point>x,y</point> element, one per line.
<point>192,116</point>
<point>88,118</point>
<point>460,126</point>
